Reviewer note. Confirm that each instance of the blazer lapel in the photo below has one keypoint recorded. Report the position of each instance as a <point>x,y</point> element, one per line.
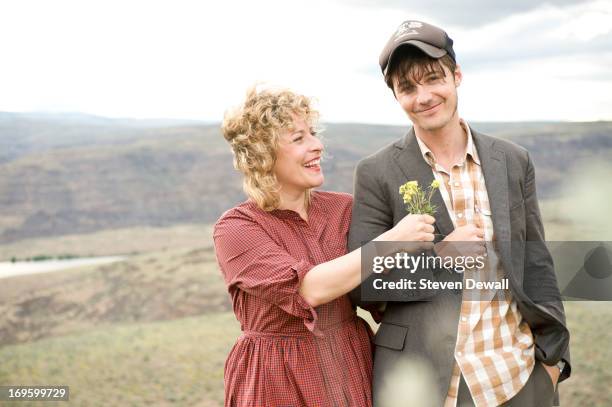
<point>495,174</point>
<point>409,159</point>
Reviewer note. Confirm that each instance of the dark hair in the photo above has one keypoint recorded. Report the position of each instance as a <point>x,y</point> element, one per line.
<point>410,63</point>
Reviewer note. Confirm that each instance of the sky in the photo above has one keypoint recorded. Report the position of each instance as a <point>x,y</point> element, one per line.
<point>521,61</point>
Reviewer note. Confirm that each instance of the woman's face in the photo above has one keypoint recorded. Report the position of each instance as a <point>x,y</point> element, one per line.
<point>297,166</point>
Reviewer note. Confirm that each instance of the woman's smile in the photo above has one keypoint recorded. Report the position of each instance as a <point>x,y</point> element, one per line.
<point>314,165</point>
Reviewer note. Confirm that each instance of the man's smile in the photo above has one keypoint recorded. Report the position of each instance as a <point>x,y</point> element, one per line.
<point>429,110</point>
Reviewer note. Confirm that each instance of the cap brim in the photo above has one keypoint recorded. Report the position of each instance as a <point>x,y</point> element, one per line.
<point>430,50</point>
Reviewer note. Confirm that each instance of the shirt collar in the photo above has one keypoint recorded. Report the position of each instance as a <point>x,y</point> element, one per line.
<point>313,203</point>
<point>469,151</point>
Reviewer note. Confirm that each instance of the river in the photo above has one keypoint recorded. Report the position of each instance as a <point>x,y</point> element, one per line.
<point>20,268</point>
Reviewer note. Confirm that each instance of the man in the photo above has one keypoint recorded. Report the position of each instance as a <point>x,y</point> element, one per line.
<point>511,350</point>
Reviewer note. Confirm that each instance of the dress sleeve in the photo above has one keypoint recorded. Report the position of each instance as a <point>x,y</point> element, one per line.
<point>252,261</point>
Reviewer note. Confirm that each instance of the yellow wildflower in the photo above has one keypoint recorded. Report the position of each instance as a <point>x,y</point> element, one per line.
<point>408,190</point>
<point>410,186</point>
<point>417,200</point>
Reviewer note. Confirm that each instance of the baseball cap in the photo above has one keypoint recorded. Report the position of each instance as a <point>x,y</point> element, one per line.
<point>428,38</point>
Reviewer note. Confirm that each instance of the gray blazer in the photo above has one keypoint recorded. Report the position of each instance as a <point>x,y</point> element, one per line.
<point>427,329</point>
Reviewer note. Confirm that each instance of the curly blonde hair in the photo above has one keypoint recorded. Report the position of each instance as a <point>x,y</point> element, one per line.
<point>253,131</point>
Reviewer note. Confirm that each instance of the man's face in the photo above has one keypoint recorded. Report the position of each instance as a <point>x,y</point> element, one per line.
<point>432,103</point>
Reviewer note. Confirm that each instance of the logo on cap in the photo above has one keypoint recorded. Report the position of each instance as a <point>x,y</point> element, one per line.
<point>407,28</point>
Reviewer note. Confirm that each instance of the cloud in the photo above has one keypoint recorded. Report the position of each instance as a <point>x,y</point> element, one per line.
<point>194,59</point>
<point>546,32</point>
<point>467,13</point>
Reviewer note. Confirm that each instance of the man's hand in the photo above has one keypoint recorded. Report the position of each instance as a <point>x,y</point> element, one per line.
<point>467,233</point>
<point>464,241</point>
<point>554,372</point>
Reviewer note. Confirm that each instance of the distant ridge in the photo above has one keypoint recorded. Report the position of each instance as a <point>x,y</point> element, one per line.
<point>90,119</point>
<point>76,173</point>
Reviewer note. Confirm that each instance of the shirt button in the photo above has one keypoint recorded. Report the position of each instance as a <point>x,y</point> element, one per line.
<point>464,319</point>
<point>456,183</point>
<point>477,210</point>
<point>459,353</point>
<point>460,215</point>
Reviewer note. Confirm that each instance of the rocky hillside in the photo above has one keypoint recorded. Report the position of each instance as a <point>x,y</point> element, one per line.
<point>154,287</point>
<point>71,174</point>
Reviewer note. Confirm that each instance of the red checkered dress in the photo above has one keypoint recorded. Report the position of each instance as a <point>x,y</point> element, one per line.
<point>290,354</point>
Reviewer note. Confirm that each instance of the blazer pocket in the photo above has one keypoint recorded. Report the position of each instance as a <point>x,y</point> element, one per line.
<point>391,336</point>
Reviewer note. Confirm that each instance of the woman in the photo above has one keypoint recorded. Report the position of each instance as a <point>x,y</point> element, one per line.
<point>283,256</point>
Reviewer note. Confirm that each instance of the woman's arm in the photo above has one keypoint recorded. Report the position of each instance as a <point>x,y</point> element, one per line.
<point>328,281</point>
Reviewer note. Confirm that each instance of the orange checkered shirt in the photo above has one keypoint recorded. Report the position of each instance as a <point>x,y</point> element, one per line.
<point>495,346</point>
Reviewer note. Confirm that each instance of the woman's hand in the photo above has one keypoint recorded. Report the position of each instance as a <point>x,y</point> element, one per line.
<point>412,228</point>
<point>413,234</point>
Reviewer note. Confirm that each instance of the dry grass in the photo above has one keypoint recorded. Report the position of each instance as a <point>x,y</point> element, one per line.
<point>181,362</point>
<point>167,363</point>
<point>126,359</point>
